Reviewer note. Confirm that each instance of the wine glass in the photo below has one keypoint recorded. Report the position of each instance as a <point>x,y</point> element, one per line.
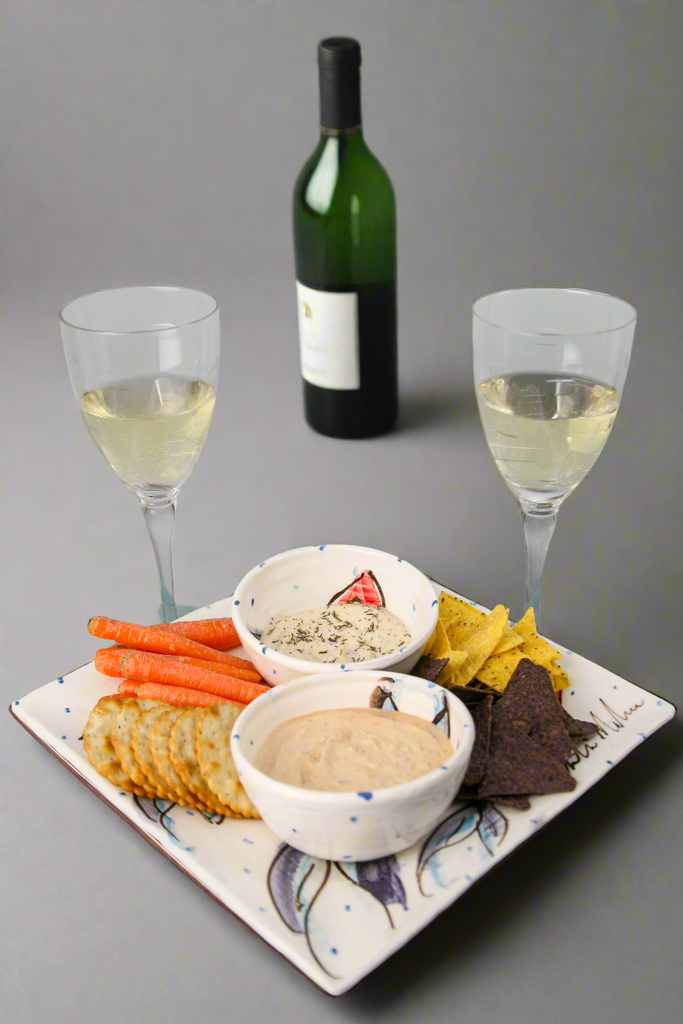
<point>143,363</point>
<point>549,370</point>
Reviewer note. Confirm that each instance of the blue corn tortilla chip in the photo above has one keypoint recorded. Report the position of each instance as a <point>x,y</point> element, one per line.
<point>577,729</point>
<point>429,668</point>
<point>530,743</point>
<point>481,716</point>
<point>524,738</point>
<point>471,695</point>
<point>519,803</point>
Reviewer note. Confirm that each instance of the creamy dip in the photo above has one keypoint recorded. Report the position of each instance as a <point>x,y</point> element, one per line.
<point>352,750</point>
<point>348,632</point>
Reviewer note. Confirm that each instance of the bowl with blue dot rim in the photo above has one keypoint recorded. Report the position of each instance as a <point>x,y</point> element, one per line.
<point>364,823</point>
<point>308,578</point>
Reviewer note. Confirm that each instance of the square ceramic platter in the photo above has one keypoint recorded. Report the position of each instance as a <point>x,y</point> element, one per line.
<point>337,922</point>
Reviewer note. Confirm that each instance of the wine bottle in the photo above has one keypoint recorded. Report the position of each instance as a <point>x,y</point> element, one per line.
<point>345,254</point>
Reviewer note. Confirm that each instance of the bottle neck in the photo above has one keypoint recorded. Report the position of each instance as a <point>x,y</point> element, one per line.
<point>349,133</point>
<point>340,112</point>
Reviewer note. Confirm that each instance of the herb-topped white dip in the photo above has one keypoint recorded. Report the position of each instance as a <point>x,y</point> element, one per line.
<point>341,633</point>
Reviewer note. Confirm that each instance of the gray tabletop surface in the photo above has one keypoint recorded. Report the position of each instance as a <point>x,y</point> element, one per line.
<point>157,142</point>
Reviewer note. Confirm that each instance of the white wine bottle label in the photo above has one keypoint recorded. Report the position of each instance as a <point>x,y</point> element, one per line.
<point>328,337</point>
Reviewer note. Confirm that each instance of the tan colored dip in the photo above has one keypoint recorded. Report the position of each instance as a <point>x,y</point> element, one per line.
<point>352,749</point>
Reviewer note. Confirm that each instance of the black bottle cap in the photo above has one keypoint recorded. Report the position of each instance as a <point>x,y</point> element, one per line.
<point>338,54</point>
<point>339,68</point>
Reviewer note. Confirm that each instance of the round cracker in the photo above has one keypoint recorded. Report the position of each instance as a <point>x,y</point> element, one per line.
<point>214,728</point>
<point>119,778</point>
<point>159,746</point>
<point>183,751</point>
<point>143,754</point>
<point>99,747</point>
<point>122,737</point>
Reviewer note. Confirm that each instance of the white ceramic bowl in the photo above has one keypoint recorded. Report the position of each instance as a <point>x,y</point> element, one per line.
<point>352,826</point>
<point>306,578</point>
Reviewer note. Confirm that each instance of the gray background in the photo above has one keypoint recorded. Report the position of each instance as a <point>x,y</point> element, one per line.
<point>157,142</point>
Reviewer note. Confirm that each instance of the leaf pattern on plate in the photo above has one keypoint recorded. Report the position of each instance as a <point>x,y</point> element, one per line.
<point>295,880</point>
<point>284,885</point>
<point>154,808</point>
<point>381,878</point>
<point>159,810</point>
<point>492,827</point>
<point>453,830</point>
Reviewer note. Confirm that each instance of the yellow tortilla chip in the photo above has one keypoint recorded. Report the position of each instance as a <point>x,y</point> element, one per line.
<point>486,647</point>
<point>535,647</point>
<point>496,671</point>
<point>458,633</point>
<point>559,677</point>
<point>480,645</point>
<point>455,660</point>
<point>439,646</point>
<point>466,612</point>
<point>446,616</point>
<point>527,624</point>
<point>539,650</point>
<point>449,605</point>
<point>428,646</point>
<point>464,635</point>
<point>508,642</point>
<point>452,607</point>
<point>465,619</point>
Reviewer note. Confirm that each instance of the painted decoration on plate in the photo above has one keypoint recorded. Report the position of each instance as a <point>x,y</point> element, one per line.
<point>336,922</point>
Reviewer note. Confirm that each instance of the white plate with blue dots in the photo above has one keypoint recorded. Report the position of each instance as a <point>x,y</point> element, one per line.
<point>336,922</point>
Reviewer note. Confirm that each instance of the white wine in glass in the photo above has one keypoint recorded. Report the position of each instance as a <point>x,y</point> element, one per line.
<point>545,433</point>
<point>143,364</point>
<point>549,369</point>
<point>150,430</point>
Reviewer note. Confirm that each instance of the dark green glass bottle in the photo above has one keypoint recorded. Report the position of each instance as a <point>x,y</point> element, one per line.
<point>345,251</point>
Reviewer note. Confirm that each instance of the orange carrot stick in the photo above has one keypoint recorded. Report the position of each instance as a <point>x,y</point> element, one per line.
<point>108,660</point>
<point>218,633</point>
<point>236,671</point>
<point>152,638</point>
<point>128,688</point>
<point>177,695</point>
<point>230,659</point>
<point>156,668</point>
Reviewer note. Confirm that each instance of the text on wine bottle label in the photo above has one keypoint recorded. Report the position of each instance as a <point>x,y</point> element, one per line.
<point>328,338</point>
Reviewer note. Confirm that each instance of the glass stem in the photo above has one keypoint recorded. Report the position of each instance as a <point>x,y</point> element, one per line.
<point>159,513</point>
<point>539,526</point>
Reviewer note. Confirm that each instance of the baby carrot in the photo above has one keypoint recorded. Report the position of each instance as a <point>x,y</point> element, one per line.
<point>236,671</point>
<point>108,660</point>
<point>233,662</point>
<point>128,688</point>
<point>155,668</point>
<point>152,638</point>
<point>177,695</point>
<point>218,633</point>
